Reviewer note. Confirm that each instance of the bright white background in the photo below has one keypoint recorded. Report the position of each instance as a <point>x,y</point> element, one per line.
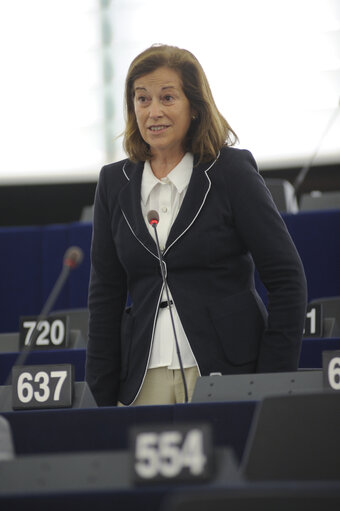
<point>273,66</point>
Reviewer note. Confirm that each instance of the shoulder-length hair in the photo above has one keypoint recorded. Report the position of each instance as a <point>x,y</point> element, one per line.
<point>208,131</point>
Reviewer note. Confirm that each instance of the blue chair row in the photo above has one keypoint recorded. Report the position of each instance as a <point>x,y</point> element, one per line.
<point>31,260</point>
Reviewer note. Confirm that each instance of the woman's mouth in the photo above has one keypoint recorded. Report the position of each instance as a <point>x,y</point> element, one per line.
<point>158,128</point>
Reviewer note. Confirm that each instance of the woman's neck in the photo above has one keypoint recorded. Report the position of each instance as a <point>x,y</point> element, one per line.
<point>161,165</point>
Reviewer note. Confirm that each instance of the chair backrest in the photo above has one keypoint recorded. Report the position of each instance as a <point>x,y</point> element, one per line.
<point>283,194</point>
<point>9,342</point>
<point>78,319</point>
<point>6,441</point>
<point>294,438</point>
<point>320,201</point>
<point>330,314</point>
<point>86,214</point>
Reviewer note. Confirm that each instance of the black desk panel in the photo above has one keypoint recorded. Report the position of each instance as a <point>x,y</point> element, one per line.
<point>107,428</point>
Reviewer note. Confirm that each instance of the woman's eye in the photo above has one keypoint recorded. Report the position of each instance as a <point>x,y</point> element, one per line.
<point>168,98</point>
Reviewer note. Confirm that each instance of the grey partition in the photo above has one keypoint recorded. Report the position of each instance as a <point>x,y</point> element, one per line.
<point>249,387</point>
<point>9,343</point>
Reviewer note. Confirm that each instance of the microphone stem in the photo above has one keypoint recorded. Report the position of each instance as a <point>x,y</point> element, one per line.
<point>55,292</point>
<point>21,359</point>
<point>162,264</point>
<point>304,171</point>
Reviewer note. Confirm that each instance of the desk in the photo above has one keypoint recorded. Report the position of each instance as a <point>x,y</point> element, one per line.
<point>311,357</point>
<point>106,428</point>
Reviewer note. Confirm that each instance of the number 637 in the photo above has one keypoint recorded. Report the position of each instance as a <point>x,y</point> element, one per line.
<point>26,390</point>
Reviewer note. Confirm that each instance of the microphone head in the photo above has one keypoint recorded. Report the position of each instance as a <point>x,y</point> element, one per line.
<point>73,257</point>
<point>153,217</point>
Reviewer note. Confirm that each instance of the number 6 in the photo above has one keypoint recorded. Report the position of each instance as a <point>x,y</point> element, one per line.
<point>334,373</point>
<point>24,387</point>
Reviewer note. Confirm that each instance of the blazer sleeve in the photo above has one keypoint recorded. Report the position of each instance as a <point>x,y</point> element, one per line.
<point>106,301</point>
<point>265,235</point>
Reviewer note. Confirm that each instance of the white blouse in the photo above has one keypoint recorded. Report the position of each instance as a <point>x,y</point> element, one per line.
<point>166,196</point>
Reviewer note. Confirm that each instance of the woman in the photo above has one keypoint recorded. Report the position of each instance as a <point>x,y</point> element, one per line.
<point>216,219</point>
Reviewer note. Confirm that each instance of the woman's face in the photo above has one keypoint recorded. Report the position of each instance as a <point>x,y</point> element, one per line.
<point>162,111</point>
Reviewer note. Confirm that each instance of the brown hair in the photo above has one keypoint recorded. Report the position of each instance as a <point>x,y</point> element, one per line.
<point>208,131</point>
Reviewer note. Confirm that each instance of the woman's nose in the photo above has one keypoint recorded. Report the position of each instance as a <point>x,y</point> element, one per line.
<point>155,110</point>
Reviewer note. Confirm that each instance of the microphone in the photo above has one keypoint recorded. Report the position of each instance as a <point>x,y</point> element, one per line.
<point>72,258</point>
<point>153,219</point>
<point>306,168</point>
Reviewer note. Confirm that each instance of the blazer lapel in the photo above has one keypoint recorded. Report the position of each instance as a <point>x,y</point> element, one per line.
<point>130,198</point>
<point>130,204</point>
<point>198,189</point>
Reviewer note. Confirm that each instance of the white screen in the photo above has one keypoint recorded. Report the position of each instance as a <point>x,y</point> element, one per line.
<point>273,66</point>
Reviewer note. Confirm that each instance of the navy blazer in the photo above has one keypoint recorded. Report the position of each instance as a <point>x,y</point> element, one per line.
<point>227,222</point>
